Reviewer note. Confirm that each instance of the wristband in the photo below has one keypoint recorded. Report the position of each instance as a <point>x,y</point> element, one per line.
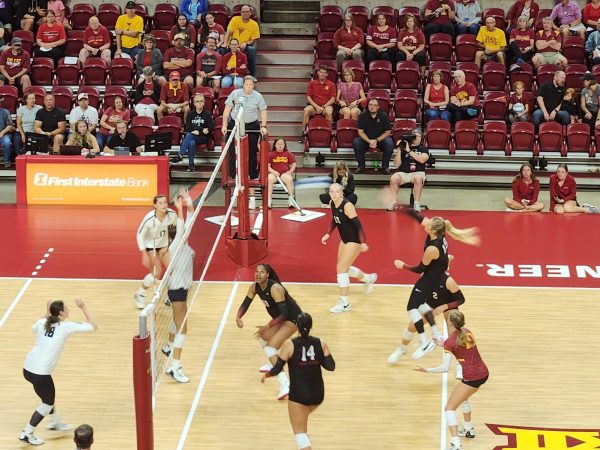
<point>188,200</point>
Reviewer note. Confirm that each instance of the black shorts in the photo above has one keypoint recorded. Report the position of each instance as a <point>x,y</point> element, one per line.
<point>420,293</point>
<point>43,385</point>
<point>301,392</point>
<point>152,249</point>
<point>177,295</point>
<point>476,383</point>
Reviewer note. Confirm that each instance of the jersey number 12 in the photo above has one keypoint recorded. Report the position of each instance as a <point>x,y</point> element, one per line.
<point>310,353</point>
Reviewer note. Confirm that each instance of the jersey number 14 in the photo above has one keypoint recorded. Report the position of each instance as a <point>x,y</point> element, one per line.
<point>310,353</point>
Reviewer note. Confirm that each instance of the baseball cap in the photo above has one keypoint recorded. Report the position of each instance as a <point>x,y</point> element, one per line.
<point>587,77</point>
<point>82,95</point>
<point>179,36</point>
<point>130,5</point>
<point>174,75</point>
<point>17,41</point>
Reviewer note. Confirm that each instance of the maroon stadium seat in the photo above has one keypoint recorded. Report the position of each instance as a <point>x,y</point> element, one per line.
<point>93,95</point>
<point>67,74</point>
<point>551,139</point>
<point>80,15</point>
<point>406,105</point>
<point>388,11</point>
<point>165,16</point>
<point>522,138</point>
<point>495,105</point>
<point>496,13</point>
<point>324,48</point>
<point>361,16</point>
<point>493,76</point>
<point>525,75</point>
<point>466,136</point>
<point>358,67</point>
<point>94,72</point>
<point>28,39</point>
<point>438,136</point>
<point>74,43</point>
<point>222,13</point>
<point>64,98</point>
<point>345,132</point>
<point>9,98</point>
<point>471,71</point>
<point>573,74</point>
<point>440,47</point>
<point>380,75</point>
<point>404,11</point>
<point>445,68</point>
<point>111,93</point>
<point>383,97</point>
<point>171,124</point>
<point>401,127</point>
<point>223,94</point>
<point>466,47</point>
<point>319,133</point>
<point>573,49</point>
<point>108,13</point>
<point>121,71</point>
<point>408,75</point>
<point>42,71</point>
<point>579,139</point>
<point>162,40</point>
<point>331,67</point>
<point>39,93</point>
<point>209,97</point>
<point>494,137</point>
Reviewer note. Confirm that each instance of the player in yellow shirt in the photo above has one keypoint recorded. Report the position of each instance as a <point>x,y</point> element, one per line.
<point>492,41</point>
<point>246,31</point>
<point>129,29</point>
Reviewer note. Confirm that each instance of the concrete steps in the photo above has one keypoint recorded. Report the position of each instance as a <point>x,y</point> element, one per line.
<point>283,71</point>
<point>285,114</point>
<point>291,57</point>
<point>285,129</point>
<point>277,16</point>
<point>289,28</point>
<point>288,43</point>
<point>271,85</point>
<point>285,99</point>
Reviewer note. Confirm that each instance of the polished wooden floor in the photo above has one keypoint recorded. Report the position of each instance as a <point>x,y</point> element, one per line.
<point>538,343</point>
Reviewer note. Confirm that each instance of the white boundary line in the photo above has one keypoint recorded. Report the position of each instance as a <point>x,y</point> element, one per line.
<point>444,398</point>
<point>207,367</point>
<point>15,302</point>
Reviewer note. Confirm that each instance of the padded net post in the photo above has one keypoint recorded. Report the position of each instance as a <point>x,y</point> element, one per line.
<point>142,388</point>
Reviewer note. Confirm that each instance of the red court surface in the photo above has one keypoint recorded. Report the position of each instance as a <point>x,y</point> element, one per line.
<point>517,249</point>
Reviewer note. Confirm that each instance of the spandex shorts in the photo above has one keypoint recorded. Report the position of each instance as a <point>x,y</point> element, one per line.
<point>476,383</point>
<point>178,295</point>
<point>149,250</point>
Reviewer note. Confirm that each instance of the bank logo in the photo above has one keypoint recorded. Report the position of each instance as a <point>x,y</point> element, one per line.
<point>40,179</point>
<point>528,438</point>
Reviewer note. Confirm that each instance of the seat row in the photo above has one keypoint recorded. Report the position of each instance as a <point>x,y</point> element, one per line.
<point>94,72</point>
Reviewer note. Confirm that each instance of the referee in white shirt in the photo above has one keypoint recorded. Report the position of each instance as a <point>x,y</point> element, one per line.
<point>51,334</point>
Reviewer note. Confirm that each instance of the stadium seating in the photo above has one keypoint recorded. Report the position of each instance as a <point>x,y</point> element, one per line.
<point>221,13</point>
<point>80,15</point>
<point>494,138</point>
<point>93,95</point>
<point>361,16</point>
<point>331,67</point>
<point>345,133</point>
<point>209,97</point>
<point>74,43</point>
<point>493,77</point>
<point>380,75</point>
<point>438,136</point>
<point>495,106</point>
<point>111,93</point>
<point>42,71</point>
<point>466,137</point>
<point>573,73</point>
<point>496,13</point>
<point>162,39</point>
<point>551,140</point>
<point>330,18</point>
<point>324,48</point>
<point>171,124</point>
<point>404,11</point>
<point>358,67</point>
<point>67,74</point>
<point>445,68</point>
<point>522,138</point>
<point>440,47</point>
<point>318,133</point>
<point>408,75</point>
<point>121,71</point>
<point>471,71</point>
<point>383,97</point>
<point>39,93</point>
<point>525,74</point>
<point>388,11</point>
<point>63,96</point>
<point>406,105</point>
<point>466,47</point>
<point>108,13</point>
<point>94,72</point>
<point>28,39</point>
<point>9,98</point>
<point>401,127</point>
<point>579,140</point>
<point>165,16</point>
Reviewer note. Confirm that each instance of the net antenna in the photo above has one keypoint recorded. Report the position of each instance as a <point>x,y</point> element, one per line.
<point>155,320</point>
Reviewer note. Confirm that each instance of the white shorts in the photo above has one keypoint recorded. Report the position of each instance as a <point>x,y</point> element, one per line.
<point>410,176</point>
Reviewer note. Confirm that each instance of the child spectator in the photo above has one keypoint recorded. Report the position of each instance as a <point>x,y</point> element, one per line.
<point>282,164</point>
<point>569,104</point>
<point>519,103</point>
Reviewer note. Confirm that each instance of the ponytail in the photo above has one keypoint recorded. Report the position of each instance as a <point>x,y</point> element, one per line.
<point>272,274</point>
<point>56,307</point>
<point>466,235</point>
<point>457,319</point>
<point>304,322</point>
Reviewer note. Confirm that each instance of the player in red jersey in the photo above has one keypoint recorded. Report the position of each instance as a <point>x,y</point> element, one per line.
<point>462,345</point>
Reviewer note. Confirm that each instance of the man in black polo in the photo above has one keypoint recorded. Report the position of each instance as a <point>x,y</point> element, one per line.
<point>123,138</point>
<point>374,131</point>
<point>51,121</point>
<point>549,97</point>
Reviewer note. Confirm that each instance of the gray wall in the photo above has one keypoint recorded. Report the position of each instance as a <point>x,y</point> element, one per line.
<point>152,3</point>
<point>504,4</point>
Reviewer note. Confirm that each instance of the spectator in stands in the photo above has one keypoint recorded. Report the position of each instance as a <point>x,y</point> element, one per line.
<point>548,43</point>
<point>96,42</point>
<point>440,15</point>
<point>180,59</point>
<point>109,119</point>
<point>186,29</point>
<point>436,98</point>
<point>123,138</point>
<point>410,160</point>
<point>342,176</point>
<point>549,97</point>
<point>25,121</point>
<point>464,99</point>
<point>6,16</point>
<point>147,94</point>
<point>210,28</point>
<point>51,38</point>
<point>7,130</point>
<point>411,43</point>
<point>59,11</point>
<point>525,188</point>
<point>82,136</point>
<point>208,66</point>
<point>381,41</point>
<point>320,98</point>
<point>569,16</point>
<point>563,193</point>
<point>246,31</point>
<point>350,96</point>
<point>83,111</point>
<point>193,10</point>
<point>348,41</point>
<point>51,121</point>
<point>519,103</point>
<point>590,100</point>
<point>521,43</point>
<point>526,8</point>
<point>492,43</point>
<point>592,46</point>
<point>14,65</point>
<point>84,437</point>
<point>569,104</point>
<point>282,165</point>
<point>30,13</point>
<point>150,56</point>
<point>374,131</point>
<point>234,66</point>
<point>591,14</point>
<point>467,17</point>
<point>128,31</point>
<point>174,97</point>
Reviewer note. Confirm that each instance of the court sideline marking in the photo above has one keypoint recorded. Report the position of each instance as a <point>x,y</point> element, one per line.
<point>444,396</point>
<point>207,367</point>
<point>15,301</point>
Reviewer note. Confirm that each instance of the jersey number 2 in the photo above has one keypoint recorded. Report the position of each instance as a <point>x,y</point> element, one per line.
<point>310,353</point>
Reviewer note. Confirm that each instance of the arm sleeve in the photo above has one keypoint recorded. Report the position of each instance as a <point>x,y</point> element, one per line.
<point>283,314</point>
<point>415,215</point>
<point>416,269</point>
<point>358,226</point>
<point>328,363</point>
<point>244,307</point>
<point>444,366</point>
<point>278,367</point>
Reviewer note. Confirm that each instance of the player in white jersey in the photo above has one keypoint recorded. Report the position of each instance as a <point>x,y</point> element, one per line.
<point>51,334</point>
<point>153,242</point>
<point>180,282</point>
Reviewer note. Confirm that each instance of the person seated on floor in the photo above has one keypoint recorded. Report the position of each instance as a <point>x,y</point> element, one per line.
<point>123,138</point>
<point>174,97</point>
<point>374,132</point>
<point>350,96</point>
<point>342,176</point>
<point>492,43</point>
<point>282,165</point>
<point>147,94</point>
<point>525,188</point>
<point>563,194</point>
<point>320,98</point>
<point>411,158</point>
<point>80,135</point>
<point>83,436</point>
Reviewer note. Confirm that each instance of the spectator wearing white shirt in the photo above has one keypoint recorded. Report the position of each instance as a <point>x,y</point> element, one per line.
<point>83,111</point>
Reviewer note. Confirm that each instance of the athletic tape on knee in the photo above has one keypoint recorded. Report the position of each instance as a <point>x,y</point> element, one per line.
<point>343,280</point>
<point>424,309</point>
<point>407,335</point>
<point>148,280</point>
<point>172,328</point>
<point>262,342</point>
<point>353,271</point>
<point>451,418</point>
<point>270,351</point>
<point>414,315</point>
<point>466,406</point>
<point>44,409</point>
<point>179,340</point>
<point>302,440</point>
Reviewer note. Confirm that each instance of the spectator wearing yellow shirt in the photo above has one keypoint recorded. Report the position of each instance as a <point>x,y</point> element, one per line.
<point>246,31</point>
<point>492,42</point>
<point>129,29</point>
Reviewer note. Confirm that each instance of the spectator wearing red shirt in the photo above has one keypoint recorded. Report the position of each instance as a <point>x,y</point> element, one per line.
<point>234,66</point>
<point>320,97</point>
<point>591,14</point>
<point>174,97</point>
<point>521,42</point>
<point>180,59</point>
<point>520,104</point>
<point>440,17</point>
<point>187,29</point>
<point>411,43</point>
<point>464,99</point>
<point>208,65</point>
<point>563,193</point>
<point>282,164</point>
<point>526,189</point>
<point>527,8</point>
<point>51,38</point>
<point>96,42</point>
<point>15,64</point>
<point>348,41</point>
<point>108,122</point>
<point>210,28</point>
<point>381,42</point>
<point>548,44</point>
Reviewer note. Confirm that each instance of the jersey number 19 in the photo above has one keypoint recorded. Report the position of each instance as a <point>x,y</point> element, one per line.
<point>310,353</point>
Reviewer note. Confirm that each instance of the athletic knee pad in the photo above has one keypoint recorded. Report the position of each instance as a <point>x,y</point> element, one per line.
<point>407,335</point>
<point>353,272</point>
<point>262,342</point>
<point>148,280</point>
<point>179,340</point>
<point>172,328</point>
<point>343,280</point>
<point>44,409</point>
<point>270,351</point>
<point>451,418</point>
<point>424,309</point>
<point>414,315</point>
<point>302,440</point>
<point>466,406</point>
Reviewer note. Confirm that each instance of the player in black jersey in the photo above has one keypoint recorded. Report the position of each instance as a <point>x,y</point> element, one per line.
<point>352,243</point>
<point>304,355</point>
<point>283,310</point>
<point>432,268</point>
